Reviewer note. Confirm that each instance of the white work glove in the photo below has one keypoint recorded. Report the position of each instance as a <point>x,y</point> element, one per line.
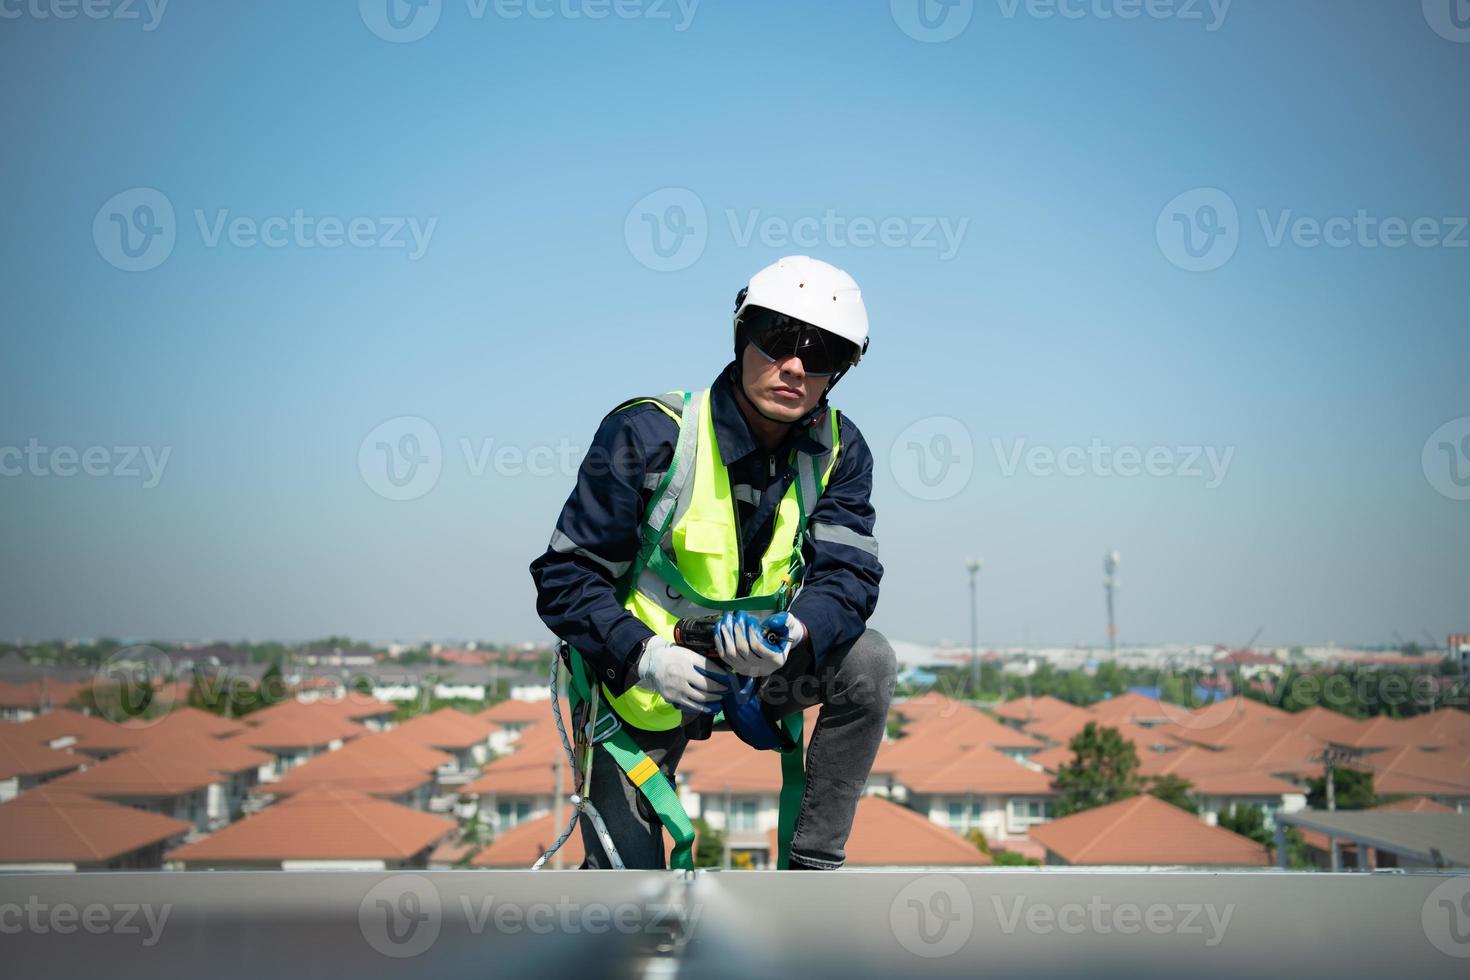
<point>680,676</point>
<point>743,644</point>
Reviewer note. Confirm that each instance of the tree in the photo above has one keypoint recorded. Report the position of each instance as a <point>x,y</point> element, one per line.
<point>709,845</point>
<point>1250,821</point>
<point>977,837</point>
<point>1352,789</point>
<point>1103,770</point>
<point>1174,790</point>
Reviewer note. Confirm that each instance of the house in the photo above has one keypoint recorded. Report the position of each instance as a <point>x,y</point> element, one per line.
<point>963,788</point>
<point>465,738</point>
<point>293,738</point>
<point>54,829</point>
<point>63,728</point>
<point>885,834</point>
<point>520,787</point>
<point>321,828</point>
<point>165,783</point>
<point>383,777</point>
<point>1143,830</point>
<point>520,846</point>
<point>236,765</point>
<point>25,764</point>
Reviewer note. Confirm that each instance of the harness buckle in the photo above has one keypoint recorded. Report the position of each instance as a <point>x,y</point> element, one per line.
<point>605,727</point>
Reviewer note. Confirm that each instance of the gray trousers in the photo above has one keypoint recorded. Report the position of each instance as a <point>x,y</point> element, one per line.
<point>854,687</point>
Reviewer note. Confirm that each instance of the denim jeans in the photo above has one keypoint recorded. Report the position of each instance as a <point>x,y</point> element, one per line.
<point>854,687</point>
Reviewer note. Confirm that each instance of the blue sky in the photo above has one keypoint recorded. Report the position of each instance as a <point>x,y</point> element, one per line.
<point>531,153</point>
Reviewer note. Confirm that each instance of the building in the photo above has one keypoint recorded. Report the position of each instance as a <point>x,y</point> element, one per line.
<point>1142,830</point>
<point>55,829</point>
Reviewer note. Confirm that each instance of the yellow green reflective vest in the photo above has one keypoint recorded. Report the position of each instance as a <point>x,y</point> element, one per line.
<point>689,561</point>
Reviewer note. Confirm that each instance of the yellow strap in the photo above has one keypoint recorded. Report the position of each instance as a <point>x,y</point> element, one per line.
<point>642,772</point>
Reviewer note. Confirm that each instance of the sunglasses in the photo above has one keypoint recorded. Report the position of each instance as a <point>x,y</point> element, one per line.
<point>777,336</point>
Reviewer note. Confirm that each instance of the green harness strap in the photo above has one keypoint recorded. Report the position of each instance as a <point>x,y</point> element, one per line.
<point>660,793</point>
<point>641,771</point>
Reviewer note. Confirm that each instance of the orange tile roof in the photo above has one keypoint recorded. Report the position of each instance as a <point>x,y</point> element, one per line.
<point>516,711</point>
<point>1032,711</point>
<point>886,834</point>
<point>724,762</point>
<point>447,728</point>
<point>1145,830</point>
<point>29,694</point>
<point>381,776</point>
<point>354,706</point>
<point>88,730</point>
<point>404,750</point>
<point>1409,770</point>
<point>1052,759</point>
<point>521,845</point>
<point>55,724</point>
<point>321,824</point>
<point>23,757</point>
<point>1065,729</point>
<point>527,771</point>
<point>48,824</point>
<point>967,726</point>
<point>1215,773</point>
<point>1135,707</point>
<point>299,731</point>
<point>978,769</point>
<point>221,756</point>
<point>139,774</point>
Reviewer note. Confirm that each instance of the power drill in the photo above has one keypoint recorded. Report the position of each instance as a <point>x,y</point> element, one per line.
<point>697,633</point>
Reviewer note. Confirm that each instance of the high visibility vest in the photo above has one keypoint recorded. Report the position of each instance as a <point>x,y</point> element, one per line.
<point>689,561</point>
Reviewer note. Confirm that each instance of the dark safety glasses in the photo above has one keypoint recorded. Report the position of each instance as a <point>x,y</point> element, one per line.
<point>778,336</point>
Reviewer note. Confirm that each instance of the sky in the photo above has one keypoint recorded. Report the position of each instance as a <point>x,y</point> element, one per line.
<point>310,309</point>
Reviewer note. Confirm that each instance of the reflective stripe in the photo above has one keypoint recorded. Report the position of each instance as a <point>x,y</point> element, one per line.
<point>683,467</point>
<point>806,473</point>
<point>746,494</point>
<point>837,534</point>
<point>562,544</point>
<point>651,481</point>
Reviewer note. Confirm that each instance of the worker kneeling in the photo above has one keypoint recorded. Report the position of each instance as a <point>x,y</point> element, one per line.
<point>716,561</point>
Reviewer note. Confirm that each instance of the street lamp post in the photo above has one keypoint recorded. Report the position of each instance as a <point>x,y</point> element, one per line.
<point>973,566</point>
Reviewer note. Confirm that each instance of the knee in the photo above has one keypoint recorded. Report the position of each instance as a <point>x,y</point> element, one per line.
<point>869,671</point>
<point>872,656</point>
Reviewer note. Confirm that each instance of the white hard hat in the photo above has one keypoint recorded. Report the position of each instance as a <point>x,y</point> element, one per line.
<point>810,290</point>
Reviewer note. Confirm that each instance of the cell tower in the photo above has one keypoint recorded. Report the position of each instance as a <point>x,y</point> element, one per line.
<point>1110,585</point>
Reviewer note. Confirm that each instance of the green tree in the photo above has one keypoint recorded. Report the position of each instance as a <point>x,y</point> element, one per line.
<point>1352,789</point>
<point>1103,770</point>
<point>709,845</point>
<point>1175,790</point>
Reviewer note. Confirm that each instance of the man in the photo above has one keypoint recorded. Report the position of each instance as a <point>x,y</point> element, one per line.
<point>754,493</point>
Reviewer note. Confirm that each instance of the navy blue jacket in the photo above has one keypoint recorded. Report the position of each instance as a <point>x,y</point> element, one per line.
<point>598,532</point>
